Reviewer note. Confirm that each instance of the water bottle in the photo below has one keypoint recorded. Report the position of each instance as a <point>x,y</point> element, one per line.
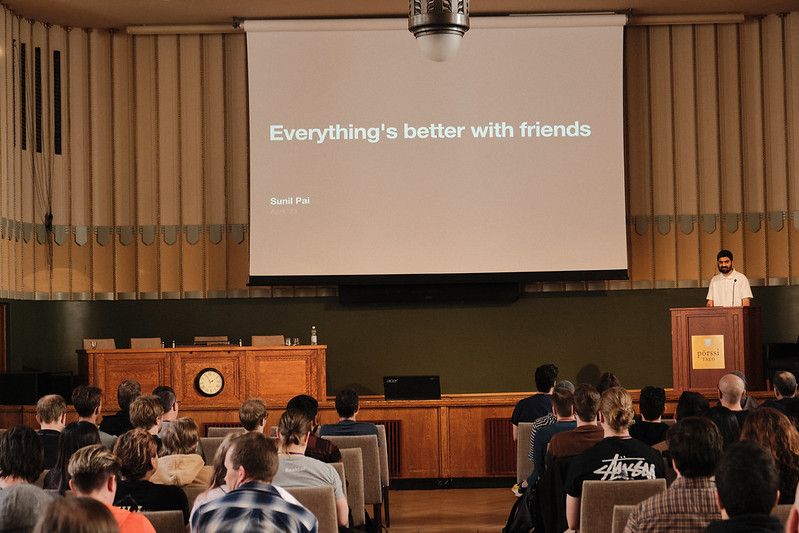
<point>313,336</point>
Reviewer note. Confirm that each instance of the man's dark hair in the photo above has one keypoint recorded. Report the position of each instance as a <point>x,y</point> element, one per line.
<point>167,396</point>
<point>563,401</point>
<point>307,404</point>
<point>86,399</point>
<point>726,422</point>
<point>545,376</point>
<point>695,446</point>
<point>747,479</point>
<point>21,454</point>
<point>257,454</point>
<point>724,253</point>
<point>346,403</point>
<point>586,402</point>
<point>127,391</point>
<point>607,380</point>
<point>691,404</point>
<point>652,402</point>
<point>785,384</point>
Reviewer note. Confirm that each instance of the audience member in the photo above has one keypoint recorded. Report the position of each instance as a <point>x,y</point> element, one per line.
<point>607,380</point>
<point>20,507</point>
<point>587,433</point>
<point>76,515</point>
<point>563,409</point>
<point>93,472</point>
<point>616,457</point>
<point>772,430</point>
<point>180,464</point>
<point>726,422</point>
<point>138,460</point>
<point>748,485</point>
<point>545,421</point>
<point>534,407</point>
<point>690,404</point>
<point>747,402</point>
<point>146,413</point>
<point>20,457</point>
<point>88,402</point>
<point>731,390</point>
<point>252,415</point>
<point>784,391</point>
<point>74,437</point>
<point>170,405</point>
<point>297,470</point>
<point>318,448</point>
<point>51,415</point>
<point>689,504</point>
<point>347,409</point>
<point>252,504</point>
<point>650,429</point>
<point>117,424</point>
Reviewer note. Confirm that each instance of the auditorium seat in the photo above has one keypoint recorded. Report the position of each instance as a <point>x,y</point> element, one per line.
<point>382,447</point>
<point>138,343</point>
<point>321,501</point>
<point>782,512</point>
<point>99,344</point>
<point>372,488</point>
<point>166,521</point>
<point>599,498</point>
<point>620,515</point>
<point>215,431</point>
<point>211,340</point>
<point>40,482</point>
<point>352,459</point>
<point>524,466</point>
<point>192,491</point>
<point>209,446</point>
<point>268,340</point>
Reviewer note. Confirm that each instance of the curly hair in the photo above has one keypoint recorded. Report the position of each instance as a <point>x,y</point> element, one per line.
<point>775,432</point>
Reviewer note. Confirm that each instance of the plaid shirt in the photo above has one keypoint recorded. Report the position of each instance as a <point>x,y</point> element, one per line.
<point>253,506</point>
<point>538,423</point>
<point>687,506</point>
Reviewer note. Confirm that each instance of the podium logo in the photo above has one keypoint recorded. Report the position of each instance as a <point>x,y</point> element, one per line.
<point>707,352</point>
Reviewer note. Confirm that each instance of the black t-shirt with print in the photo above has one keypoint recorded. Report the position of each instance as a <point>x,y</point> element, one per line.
<point>143,495</point>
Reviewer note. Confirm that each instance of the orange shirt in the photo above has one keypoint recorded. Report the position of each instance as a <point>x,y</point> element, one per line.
<point>131,522</point>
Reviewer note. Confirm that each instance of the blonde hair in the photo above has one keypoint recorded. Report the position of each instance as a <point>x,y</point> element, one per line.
<point>91,466</point>
<point>145,410</point>
<point>293,427</point>
<point>617,408</point>
<point>181,437</point>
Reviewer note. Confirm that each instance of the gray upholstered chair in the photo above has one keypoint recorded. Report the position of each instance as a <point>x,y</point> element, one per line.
<point>209,445</point>
<point>166,521</point>
<point>321,501</point>
<point>192,491</point>
<point>523,464</point>
<point>382,447</point>
<point>372,488</point>
<point>620,515</point>
<point>352,460</point>
<point>599,498</point>
<point>782,512</point>
<point>224,432</point>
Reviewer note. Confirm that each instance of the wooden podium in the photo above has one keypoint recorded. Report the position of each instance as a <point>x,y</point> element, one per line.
<point>708,342</point>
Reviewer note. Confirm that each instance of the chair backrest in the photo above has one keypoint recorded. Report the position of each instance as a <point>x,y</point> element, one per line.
<point>321,501</point>
<point>211,340</point>
<point>101,344</point>
<point>599,497</point>
<point>352,459</point>
<point>523,464</point>
<point>341,473</point>
<point>224,432</point>
<point>40,482</point>
<point>166,521</point>
<point>372,489</point>
<point>620,515</point>
<point>192,491</point>
<point>145,342</point>
<point>382,447</point>
<point>268,340</point>
<point>782,512</point>
<point>209,446</point>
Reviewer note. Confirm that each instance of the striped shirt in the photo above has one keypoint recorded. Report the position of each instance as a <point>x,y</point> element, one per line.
<point>687,506</point>
<point>538,423</point>
<point>253,506</point>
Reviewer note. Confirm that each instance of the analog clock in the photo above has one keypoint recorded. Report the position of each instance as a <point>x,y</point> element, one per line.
<point>209,382</point>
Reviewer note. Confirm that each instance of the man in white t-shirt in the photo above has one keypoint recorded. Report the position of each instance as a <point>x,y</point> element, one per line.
<point>728,288</point>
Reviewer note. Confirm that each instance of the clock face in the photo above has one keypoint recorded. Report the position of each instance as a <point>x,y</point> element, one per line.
<point>209,382</point>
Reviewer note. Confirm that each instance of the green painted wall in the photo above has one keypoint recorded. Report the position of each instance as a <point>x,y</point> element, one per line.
<point>486,348</point>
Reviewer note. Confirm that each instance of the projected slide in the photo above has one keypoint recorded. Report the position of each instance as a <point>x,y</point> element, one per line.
<point>368,159</point>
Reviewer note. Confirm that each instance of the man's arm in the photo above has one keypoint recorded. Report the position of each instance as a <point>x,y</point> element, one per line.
<point>342,512</point>
<point>746,302</point>
<point>573,512</point>
<point>709,303</point>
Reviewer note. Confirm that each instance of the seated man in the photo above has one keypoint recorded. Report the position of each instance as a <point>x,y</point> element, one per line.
<point>94,472</point>
<point>650,429</point>
<point>587,433</point>
<point>117,424</point>
<point>170,405</point>
<point>784,391</point>
<point>747,482</point>
<point>318,448</point>
<point>563,409</point>
<point>252,415</point>
<point>146,413</point>
<point>51,414</point>
<point>88,402</point>
<point>347,409</point>
<point>252,504</point>
<point>689,504</point>
<point>544,421</point>
<point>534,407</point>
<point>731,390</point>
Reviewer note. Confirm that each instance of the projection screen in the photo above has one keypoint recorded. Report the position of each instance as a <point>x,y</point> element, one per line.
<point>366,159</point>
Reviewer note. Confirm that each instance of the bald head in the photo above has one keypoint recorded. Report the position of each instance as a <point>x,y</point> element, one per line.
<point>731,389</point>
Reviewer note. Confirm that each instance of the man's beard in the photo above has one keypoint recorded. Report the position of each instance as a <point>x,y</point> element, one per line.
<point>724,269</point>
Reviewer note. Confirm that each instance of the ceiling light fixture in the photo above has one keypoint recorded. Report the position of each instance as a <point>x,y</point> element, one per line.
<point>438,26</point>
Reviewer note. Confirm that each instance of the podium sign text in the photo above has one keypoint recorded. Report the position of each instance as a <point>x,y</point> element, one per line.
<point>707,352</point>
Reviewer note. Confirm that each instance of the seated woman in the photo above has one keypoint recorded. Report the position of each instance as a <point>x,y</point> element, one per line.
<point>297,470</point>
<point>74,437</point>
<point>136,451</point>
<point>775,432</point>
<point>180,464</point>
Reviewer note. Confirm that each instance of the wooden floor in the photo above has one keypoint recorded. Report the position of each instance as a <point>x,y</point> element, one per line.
<point>450,510</point>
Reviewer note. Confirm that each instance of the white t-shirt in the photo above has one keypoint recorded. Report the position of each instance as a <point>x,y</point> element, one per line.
<point>729,290</point>
<point>302,471</point>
